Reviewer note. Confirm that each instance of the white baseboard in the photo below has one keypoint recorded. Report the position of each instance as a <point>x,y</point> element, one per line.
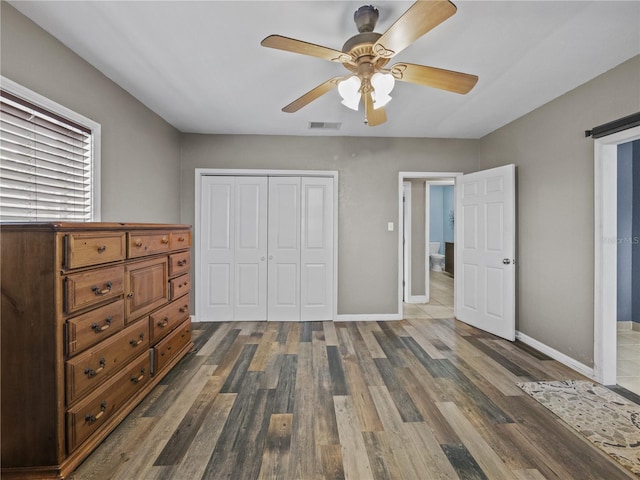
<point>418,299</point>
<point>363,317</point>
<point>556,355</point>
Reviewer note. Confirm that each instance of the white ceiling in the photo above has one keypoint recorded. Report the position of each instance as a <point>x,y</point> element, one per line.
<point>200,66</point>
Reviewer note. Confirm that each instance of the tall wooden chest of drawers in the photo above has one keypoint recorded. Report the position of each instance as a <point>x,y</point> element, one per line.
<point>93,316</point>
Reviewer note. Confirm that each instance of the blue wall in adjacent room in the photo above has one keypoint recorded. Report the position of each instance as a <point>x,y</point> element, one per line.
<point>440,209</point>
<point>628,240</point>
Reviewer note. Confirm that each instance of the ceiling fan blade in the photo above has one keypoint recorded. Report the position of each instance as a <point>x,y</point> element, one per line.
<point>298,46</point>
<point>421,17</point>
<point>375,116</point>
<point>434,77</point>
<point>313,94</point>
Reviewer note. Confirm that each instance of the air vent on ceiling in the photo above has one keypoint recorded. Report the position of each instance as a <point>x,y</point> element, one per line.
<point>325,125</point>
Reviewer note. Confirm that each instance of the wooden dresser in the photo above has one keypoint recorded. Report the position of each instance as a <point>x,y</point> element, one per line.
<point>93,316</point>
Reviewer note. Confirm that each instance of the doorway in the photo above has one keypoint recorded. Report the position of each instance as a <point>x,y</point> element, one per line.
<point>606,253</point>
<point>423,292</point>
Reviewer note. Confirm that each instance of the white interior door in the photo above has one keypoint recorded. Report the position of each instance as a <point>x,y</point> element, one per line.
<point>316,252</point>
<point>217,248</point>
<point>485,250</point>
<point>234,248</point>
<point>283,294</point>
<point>250,252</point>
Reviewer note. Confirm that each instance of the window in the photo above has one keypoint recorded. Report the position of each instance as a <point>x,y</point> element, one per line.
<point>49,159</point>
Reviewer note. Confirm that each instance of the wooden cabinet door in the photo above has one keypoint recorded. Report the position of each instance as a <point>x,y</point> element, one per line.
<point>146,287</point>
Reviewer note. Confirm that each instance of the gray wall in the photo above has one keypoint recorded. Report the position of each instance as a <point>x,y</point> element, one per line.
<point>140,151</point>
<point>555,193</point>
<point>368,195</point>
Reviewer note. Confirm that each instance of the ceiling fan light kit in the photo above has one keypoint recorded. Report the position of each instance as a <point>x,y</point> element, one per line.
<point>366,55</point>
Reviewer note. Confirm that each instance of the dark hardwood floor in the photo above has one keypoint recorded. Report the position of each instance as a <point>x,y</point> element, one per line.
<point>421,398</point>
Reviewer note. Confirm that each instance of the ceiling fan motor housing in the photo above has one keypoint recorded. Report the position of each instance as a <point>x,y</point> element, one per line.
<point>366,18</point>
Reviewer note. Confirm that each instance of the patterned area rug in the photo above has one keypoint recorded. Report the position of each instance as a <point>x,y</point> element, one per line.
<point>608,420</point>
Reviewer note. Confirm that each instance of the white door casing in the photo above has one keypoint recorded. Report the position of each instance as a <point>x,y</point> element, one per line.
<point>485,250</point>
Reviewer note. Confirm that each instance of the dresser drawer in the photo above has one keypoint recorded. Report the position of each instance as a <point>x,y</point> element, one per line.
<point>91,368</point>
<point>97,408</point>
<point>171,346</point>
<point>146,243</point>
<point>93,327</point>
<point>162,321</point>
<point>179,240</point>
<point>85,289</point>
<point>94,248</point>
<point>180,285</point>
<point>179,263</point>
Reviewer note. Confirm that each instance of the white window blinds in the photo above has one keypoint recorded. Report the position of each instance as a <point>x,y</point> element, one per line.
<point>45,164</point>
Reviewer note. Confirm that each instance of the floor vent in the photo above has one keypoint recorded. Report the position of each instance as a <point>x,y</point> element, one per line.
<point>325,125</point>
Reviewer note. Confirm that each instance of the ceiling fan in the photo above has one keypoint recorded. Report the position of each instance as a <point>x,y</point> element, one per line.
<point>367,54</point>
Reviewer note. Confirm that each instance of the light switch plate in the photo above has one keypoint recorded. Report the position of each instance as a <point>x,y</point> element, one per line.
<point>390,226</point>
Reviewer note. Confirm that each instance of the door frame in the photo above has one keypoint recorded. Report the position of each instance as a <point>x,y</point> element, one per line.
<point>202,172</point>
<point>402,177</point>
<point>605,250</point>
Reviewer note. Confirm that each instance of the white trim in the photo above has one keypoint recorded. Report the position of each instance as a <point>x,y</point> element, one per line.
<point>556,355</point>
<point>364,317</point>
<point>401,178</point>
<point>605,249</point>
<point>418,298</point>
<point>96,132</point>
<point>406,227</point>
<point>201,172</point>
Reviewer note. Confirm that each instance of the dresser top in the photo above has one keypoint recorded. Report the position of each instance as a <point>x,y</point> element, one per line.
<point>71,226</point>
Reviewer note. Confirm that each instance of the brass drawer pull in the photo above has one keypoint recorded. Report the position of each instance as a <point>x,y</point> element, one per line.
<point>182,263</point>
<point>164,322</point>
<point>138,243</point>
<point>184,309</point>
<point>181,239</point>
<point>138,379</point>
<point>135,343</point>
<point>90,372</point>
<point>164,240</point>
<point>95,289</point>
<point>102,248</point>
<point>92,418</point>
<point>97,328</point>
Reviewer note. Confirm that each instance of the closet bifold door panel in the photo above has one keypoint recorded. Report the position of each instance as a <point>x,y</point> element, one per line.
<point>267,248</point>
<point>234,248</point>
<point>316,250</point>
<point>284,249</point>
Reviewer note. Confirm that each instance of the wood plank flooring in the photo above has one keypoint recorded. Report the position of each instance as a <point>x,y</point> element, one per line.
<point>422,398</point>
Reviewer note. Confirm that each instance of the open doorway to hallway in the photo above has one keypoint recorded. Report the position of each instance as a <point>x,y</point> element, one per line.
<point>628,266</point>
<point>427,243</point>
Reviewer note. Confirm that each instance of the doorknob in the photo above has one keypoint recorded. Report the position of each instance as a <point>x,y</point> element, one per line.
<point>506,261</point>
<point>270,257</point>
<point>262,259</point>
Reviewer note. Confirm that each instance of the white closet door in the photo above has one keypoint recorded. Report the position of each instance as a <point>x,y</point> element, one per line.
<point>316,252</point>
<point>217,249</point>
<point>250,265</point>
<point>284,249</point>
